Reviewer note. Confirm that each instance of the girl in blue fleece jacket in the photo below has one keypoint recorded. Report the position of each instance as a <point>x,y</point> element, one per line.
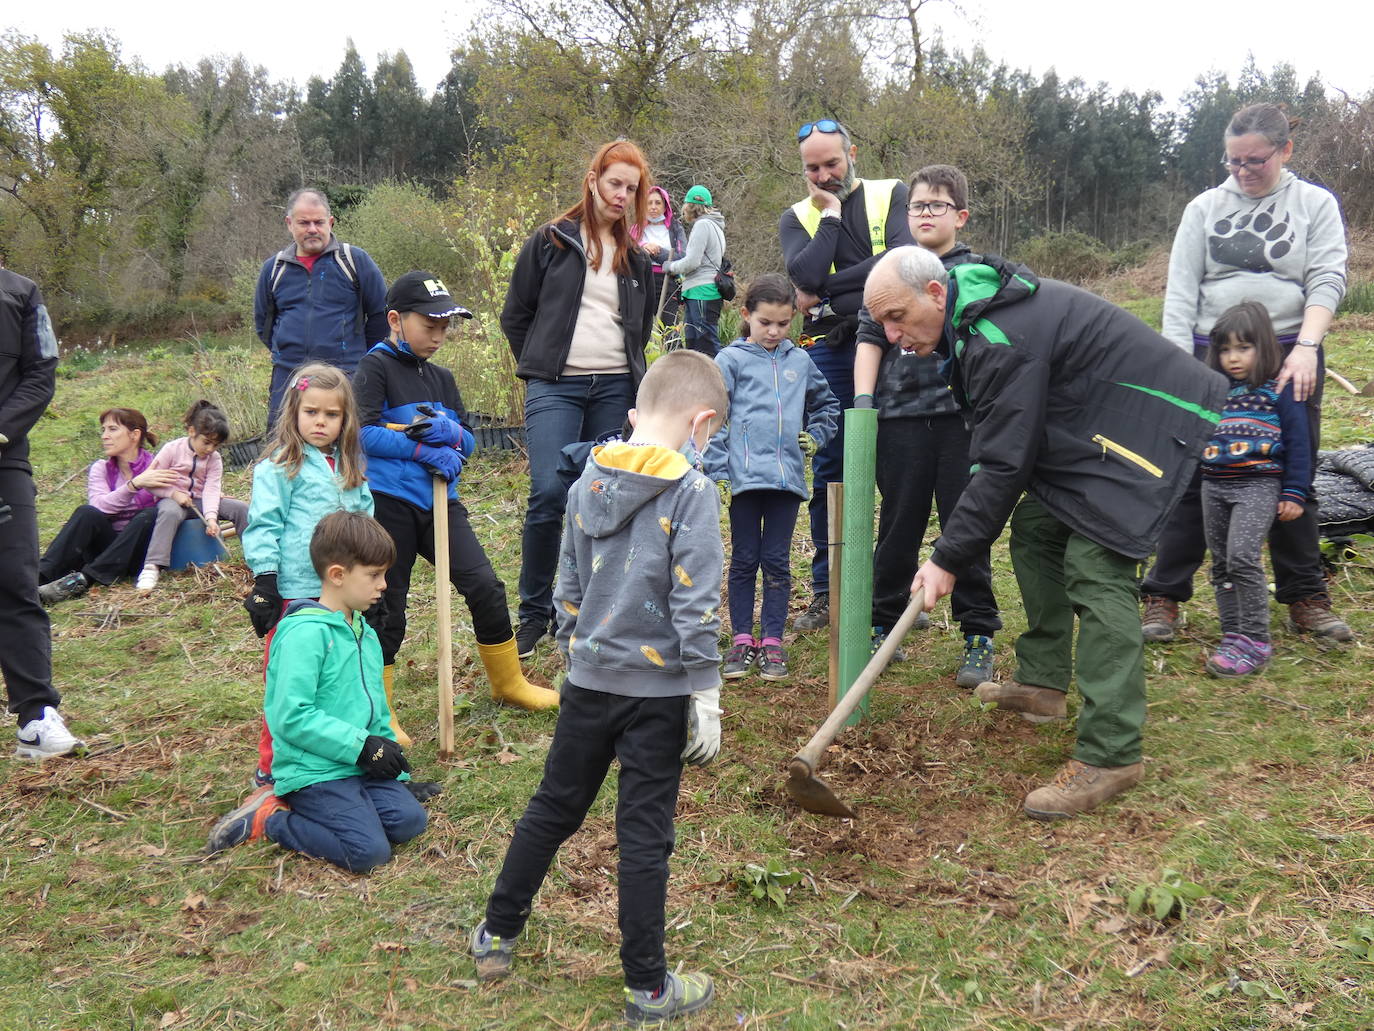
<point>781,412</point>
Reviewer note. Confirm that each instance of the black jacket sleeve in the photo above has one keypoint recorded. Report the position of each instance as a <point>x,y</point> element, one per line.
<point>1008,390</point>
<point>808,258</point>
<point>369,389</point>
<point>29,367</point>
<point>522,297</point>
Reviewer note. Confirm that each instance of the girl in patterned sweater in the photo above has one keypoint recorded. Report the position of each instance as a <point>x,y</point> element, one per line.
<point>1258,465</point>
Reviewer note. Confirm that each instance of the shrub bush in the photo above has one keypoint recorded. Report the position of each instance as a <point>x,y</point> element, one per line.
<point>1072,257</point>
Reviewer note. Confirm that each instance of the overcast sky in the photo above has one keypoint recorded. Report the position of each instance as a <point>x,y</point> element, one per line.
<point>1161,46</point>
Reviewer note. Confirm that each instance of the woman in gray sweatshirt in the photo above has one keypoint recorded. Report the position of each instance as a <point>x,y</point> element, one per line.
<point>1268,236</point>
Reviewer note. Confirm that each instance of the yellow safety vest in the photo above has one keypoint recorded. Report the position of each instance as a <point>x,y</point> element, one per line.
<point>877,203</point>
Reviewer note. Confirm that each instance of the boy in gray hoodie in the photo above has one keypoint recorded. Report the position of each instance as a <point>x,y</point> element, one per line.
<point>637,605</point>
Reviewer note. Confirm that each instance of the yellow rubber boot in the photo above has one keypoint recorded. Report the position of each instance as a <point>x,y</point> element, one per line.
<point>508,683</point>
<point>388,679</point>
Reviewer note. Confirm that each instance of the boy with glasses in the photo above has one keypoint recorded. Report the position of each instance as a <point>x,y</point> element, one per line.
<point>923,442</point>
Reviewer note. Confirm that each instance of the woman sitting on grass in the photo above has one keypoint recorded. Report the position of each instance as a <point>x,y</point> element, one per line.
<point>106,538</point>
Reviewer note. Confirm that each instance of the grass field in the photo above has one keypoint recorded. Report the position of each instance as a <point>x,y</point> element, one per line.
<point>940,907</point>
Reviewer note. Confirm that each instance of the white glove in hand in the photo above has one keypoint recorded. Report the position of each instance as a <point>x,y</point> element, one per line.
<point>703,728</point>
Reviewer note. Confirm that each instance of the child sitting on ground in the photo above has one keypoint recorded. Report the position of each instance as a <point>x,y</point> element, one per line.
<point>336,762</point>
<point>637,599</point>
<point>1257,465</point>
<point>781,412</point>
<point>196,461</point>
<point>398,385</point>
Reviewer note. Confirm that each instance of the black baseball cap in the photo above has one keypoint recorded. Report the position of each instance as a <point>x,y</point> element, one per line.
<point>424,293</point>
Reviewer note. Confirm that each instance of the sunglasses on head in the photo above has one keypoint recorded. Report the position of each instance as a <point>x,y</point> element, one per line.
<point>824,125</point>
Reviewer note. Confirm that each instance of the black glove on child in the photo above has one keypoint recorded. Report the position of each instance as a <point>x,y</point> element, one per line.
<point>263,603</point>
<point>424,790</point>
<point>382,758</point>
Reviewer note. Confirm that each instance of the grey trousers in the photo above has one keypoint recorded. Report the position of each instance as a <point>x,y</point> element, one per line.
<point>169,519</point>
<point>1236,515</point>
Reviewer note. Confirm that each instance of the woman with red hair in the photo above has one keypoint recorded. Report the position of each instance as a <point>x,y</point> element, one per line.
<point>577,315</point>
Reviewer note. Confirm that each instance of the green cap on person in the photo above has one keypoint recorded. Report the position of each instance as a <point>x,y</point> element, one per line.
<point>698,195</point>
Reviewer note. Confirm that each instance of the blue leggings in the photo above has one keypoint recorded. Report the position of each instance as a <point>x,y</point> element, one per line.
<point>761,526</point>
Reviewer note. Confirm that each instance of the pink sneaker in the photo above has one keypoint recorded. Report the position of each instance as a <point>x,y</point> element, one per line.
<point>1239,656</point>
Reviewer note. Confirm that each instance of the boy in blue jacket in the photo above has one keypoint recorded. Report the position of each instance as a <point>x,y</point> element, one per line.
<point>336,761</point>
<point>396,383</point>
<point>637,602</point>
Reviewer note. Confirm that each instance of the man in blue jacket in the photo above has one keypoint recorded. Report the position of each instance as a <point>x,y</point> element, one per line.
<point>318,300</point>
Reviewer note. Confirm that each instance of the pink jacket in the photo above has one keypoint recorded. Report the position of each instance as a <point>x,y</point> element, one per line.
<point>198,477</point>
<point>107,490</point>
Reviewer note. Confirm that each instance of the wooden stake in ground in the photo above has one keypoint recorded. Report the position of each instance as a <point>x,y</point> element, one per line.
<point>443,591</point>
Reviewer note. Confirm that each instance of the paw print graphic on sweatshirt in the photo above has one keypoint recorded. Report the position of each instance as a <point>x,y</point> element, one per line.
<point>1252,239</point>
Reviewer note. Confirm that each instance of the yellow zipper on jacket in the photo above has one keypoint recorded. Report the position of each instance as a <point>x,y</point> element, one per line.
<point>1128,454</point>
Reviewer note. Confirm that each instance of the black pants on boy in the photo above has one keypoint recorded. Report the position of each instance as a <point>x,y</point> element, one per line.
<point>470,571</point>
<point>25,633</point>
<point>88,543</point>
<point>647,736</point>
<point>1294,546</point>
<point>921,459</point>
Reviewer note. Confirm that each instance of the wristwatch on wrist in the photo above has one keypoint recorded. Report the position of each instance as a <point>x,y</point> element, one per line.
<point>1309,343</point>
<point>830,213</point>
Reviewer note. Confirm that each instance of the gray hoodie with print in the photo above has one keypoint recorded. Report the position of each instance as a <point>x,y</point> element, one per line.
<point>1285,250</point>
<point>638,592</point>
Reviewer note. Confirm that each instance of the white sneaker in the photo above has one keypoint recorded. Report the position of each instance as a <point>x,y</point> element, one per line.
<point>147,579</point>
<point>47,736</point>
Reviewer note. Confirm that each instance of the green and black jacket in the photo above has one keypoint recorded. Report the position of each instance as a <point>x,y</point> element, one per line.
<point>1074,401</point>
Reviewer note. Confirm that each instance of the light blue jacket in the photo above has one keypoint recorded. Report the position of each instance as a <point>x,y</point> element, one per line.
<point>774,396</point>
<point>283,514</point>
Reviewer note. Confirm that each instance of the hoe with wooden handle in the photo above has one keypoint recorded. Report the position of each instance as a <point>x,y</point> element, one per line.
<point>808,790</point>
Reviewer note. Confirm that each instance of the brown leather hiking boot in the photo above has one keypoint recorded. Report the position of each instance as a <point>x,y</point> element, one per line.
<point>1078,787</point>
<point>1033,704</point>
<point>1160,618</point>
<point>1314,616</point>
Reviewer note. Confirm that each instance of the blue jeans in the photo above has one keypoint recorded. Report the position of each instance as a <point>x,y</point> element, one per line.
<point>646,735</point>
<point>573,409</point>
<point>351,823</point>
<point>761,525</point>
<point>701,330</point>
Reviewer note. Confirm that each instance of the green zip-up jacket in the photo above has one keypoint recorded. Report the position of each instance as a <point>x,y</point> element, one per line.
<point>324,696</point>
<point>1074,401</point>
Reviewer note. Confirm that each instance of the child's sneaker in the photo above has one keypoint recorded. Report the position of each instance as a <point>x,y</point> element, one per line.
<point>48,736</point>
<point>1239,656</point>
<point>773,663</point>
<point>977,667</point>
<point>64,588</point>
<point>492,955</point>
<point>740,661</point>
<point>680,994</point>
<point>247,822</point>
<point>147,580</point>
<point>879,637</point>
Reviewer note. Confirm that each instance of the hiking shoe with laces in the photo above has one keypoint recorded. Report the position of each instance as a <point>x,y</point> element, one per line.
<point>48,736</point>
<point>773,662</point>
<point>1078,787</point>
<point>977,667</point>
<point>247,822</point>
<point>1033,704</point>
<point>879,638</point>
<point>491,955</point>
<point>1239,656</point>
<point>740,661</point>
<point>529,634</point>
<point>680,994</point>
<point>64,588</point>
<point>816,616</point>
<point>1314,616</point>
<point>1160,619</point>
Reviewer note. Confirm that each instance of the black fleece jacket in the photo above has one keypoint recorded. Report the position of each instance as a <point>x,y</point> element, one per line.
<point>1076,402</point>
<point>28,365</point>
<point>545,296</point>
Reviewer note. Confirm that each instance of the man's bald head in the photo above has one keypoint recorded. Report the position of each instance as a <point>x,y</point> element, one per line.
<point>905,292</point>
